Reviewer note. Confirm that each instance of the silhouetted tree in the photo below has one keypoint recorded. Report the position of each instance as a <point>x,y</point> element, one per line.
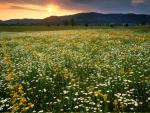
<point>111,25</point>
<point>86,25</point>
<point>126,25</point>
<point>65,22</point>
<point>143,23</point>
<point>48,25</point>
<point>72,22</point>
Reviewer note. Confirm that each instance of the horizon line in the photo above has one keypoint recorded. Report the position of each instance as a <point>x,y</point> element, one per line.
<point>73,14</point>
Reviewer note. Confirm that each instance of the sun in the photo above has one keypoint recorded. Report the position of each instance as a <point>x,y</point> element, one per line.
<point>52,8</point>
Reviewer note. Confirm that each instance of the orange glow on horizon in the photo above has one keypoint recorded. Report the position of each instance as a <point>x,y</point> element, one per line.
<point>16,11</point>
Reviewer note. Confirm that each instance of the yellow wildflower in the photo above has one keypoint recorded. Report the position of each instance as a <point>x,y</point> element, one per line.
<point>115,102</point>
<point>23,100</point>
<point>15,109</point>
<point>121,71</point>
<point>13,100</point>
<point>20,87</point>
<point>30,104</point>
<point>24,109</point>
<point>10,75</point>
<point>15,95</point>
<point>123,106</point>
<point>96,93</point>
<point>105,97</point>
<point>20,91</point>
<point>16,105</point>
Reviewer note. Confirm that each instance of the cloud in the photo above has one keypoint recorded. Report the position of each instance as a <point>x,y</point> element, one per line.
<point>137,1</point>
<point>24,1</point>
<point>24,8</point>
<point>104,6</point>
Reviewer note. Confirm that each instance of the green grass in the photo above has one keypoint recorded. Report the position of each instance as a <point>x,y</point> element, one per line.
<point>77,70</point>
<point>21,28</point>
<point>41,28</point>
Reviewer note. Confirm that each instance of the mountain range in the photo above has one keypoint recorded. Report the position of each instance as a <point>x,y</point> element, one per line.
<point>83,18</point>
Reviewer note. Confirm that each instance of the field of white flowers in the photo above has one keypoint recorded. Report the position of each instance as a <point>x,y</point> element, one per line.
<point>103,70</point>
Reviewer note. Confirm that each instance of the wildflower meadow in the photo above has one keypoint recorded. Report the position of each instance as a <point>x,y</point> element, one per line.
<point>93,70</point>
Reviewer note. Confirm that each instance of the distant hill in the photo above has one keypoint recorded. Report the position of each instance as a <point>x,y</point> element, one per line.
<point>22,21</point>
<point>84,18</point>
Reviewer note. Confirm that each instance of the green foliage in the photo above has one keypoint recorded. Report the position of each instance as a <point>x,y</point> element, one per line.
<point>92,70</point>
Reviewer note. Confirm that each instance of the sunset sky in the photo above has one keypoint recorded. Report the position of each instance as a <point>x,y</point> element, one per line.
<point>12,9</point>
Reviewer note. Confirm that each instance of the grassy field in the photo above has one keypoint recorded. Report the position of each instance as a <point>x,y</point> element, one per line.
<point>21,28</point>
<point>91,70</point>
